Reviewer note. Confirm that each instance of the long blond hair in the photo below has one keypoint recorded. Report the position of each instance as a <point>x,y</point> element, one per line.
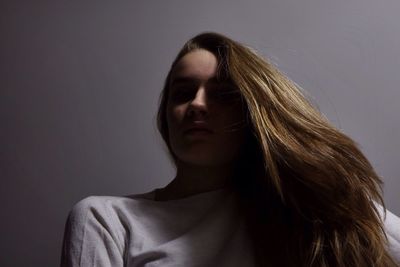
<point>308,190</point>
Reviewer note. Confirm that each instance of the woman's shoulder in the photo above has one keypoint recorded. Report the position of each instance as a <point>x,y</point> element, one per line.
<point>101,201</point>
<point>97,224</point>
<point>108,211</point>
<point>105,204</point>
<point>391,224</point>
<point>93,204</point>
<point>392,228</point>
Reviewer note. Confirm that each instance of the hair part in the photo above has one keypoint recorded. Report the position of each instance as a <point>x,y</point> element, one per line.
<point>308,190</point>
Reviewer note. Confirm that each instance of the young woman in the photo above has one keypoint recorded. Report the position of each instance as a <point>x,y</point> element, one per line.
<point>263,179</point>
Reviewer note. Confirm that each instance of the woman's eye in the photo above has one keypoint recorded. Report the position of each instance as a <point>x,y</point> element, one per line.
<point>181,94</point>
<point>219,95</point>
<point>226,95</point>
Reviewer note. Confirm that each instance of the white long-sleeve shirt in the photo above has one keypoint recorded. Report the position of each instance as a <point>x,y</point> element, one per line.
<point>205,229</point>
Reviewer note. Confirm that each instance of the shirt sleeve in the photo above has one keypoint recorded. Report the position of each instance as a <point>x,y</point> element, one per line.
<point>91,237</point>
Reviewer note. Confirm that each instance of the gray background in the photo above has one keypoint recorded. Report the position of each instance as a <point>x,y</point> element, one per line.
<point>80,82</point>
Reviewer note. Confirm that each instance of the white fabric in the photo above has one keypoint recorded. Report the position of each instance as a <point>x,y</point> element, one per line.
<point>201,230</point>
<point>392,229</point>
<point>205,229</point>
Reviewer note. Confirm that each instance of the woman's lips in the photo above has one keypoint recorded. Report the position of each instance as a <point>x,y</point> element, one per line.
<point>197,125</point>
<point>198,131</point>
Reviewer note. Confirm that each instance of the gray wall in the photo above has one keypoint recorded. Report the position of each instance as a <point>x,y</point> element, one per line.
<point>80,80</point>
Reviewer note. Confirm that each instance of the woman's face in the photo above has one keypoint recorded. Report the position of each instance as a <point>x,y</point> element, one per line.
<point>197,100</point>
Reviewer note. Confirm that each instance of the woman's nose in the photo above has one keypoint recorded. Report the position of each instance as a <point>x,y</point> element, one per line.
<point>199,104</point>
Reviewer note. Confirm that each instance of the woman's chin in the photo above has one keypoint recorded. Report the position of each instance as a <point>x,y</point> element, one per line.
<point>200,159</point>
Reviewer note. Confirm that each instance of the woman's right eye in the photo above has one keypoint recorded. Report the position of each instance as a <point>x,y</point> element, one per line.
<point>181,94</point>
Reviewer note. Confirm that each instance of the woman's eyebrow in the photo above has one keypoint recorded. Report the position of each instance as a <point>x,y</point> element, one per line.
<point>180,80</point>
<point>186,80</point>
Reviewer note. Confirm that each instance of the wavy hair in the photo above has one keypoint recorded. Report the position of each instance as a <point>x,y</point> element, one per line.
<point>309,193</point>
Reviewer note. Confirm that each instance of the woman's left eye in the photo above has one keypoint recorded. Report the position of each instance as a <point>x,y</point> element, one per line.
<point>222,95</point>
<point>181,96</point>
<point>226,95</point>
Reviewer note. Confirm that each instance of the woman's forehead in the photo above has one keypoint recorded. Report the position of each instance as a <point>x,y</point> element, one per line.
<point>198,65</point>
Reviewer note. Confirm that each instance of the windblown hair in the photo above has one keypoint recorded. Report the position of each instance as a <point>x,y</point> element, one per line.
<point>310,194</point>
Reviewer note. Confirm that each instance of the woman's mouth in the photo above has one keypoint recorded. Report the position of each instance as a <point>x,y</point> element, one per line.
<point>198,131</point>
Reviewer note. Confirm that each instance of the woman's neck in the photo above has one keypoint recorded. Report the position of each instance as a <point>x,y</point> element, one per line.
<point>191,179</point>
